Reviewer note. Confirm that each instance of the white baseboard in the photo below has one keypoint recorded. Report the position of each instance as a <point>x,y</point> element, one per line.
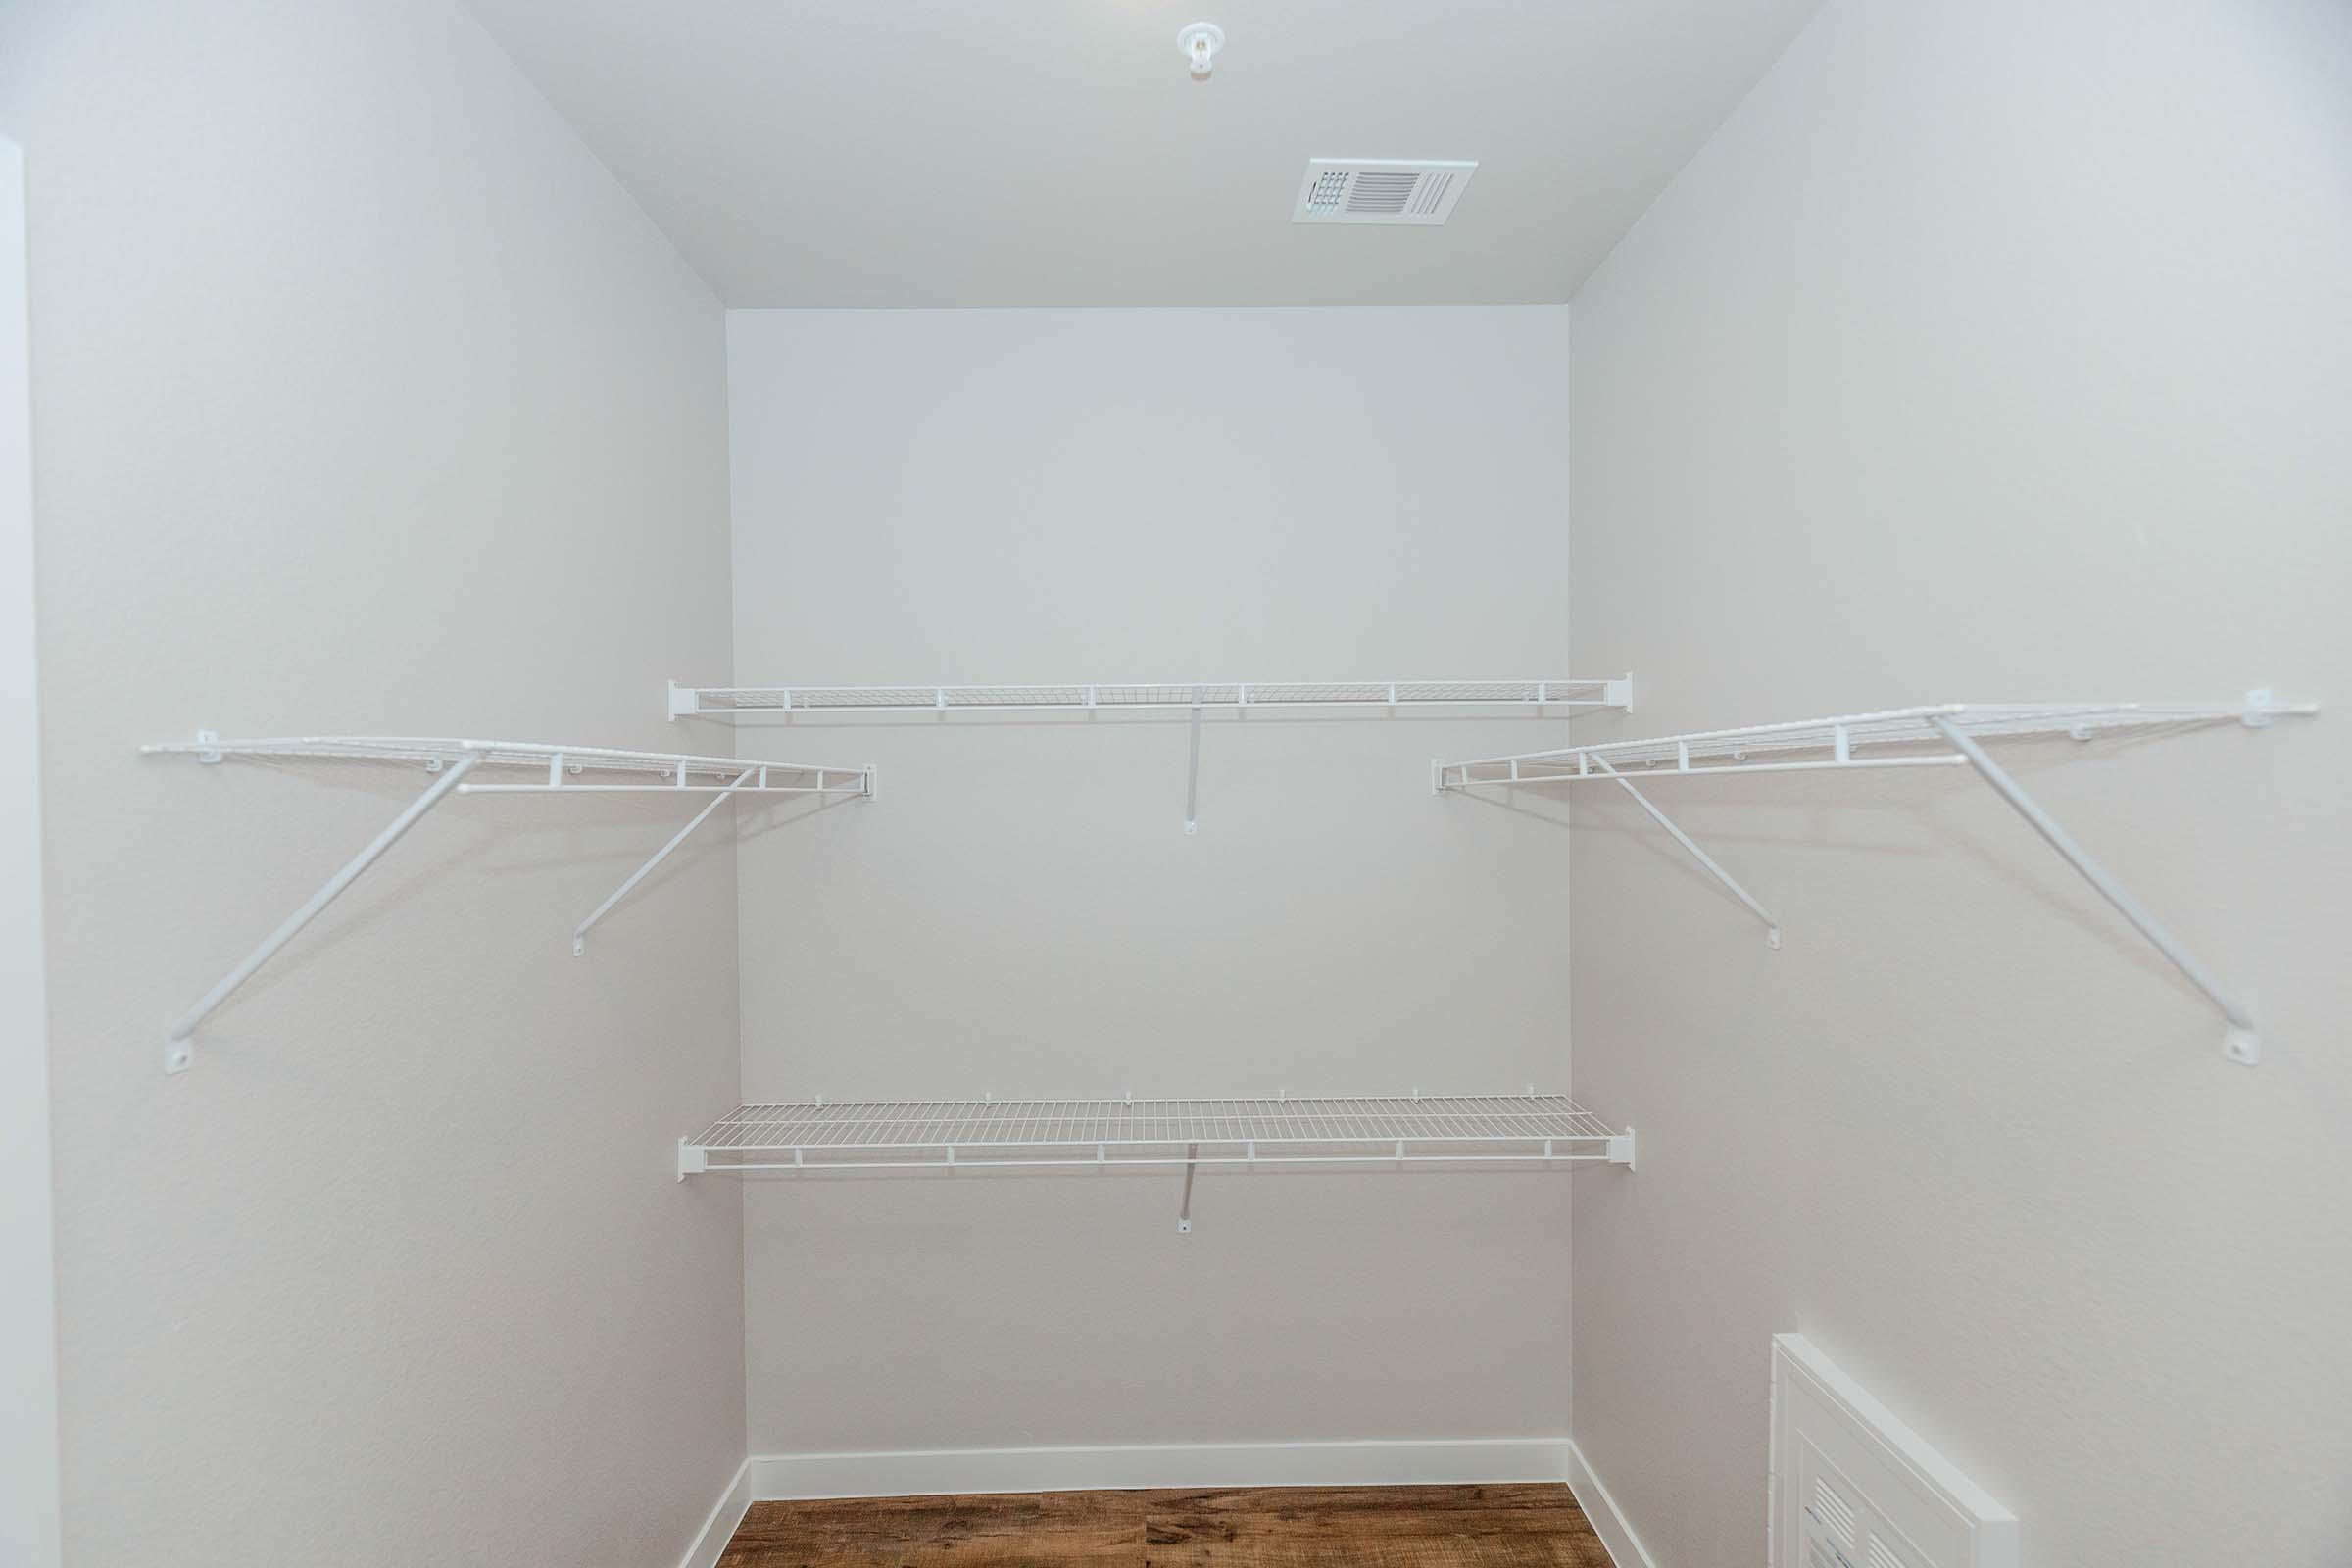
<point>779,1476</point>
<point>1625,1548</point>
<point>905,1473</point>
<point>719,1527</point>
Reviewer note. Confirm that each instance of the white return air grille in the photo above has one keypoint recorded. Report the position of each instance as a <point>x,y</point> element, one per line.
<point>1381,190</point>
<point>1854,1488</point>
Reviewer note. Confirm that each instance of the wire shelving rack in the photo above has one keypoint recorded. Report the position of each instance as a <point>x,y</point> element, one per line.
<point>1007,1134</point>
<point>1943,735</point>
<point>728,702</point>
<point>452,762</point>
<point>1529,1131</point>
<point>1535,699</point>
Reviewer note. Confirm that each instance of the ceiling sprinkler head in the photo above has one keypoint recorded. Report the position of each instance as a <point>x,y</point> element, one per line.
<point>1200,42</point>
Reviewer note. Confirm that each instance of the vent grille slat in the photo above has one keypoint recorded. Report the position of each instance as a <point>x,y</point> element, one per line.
<point>1835,1514</point>
<point>1381,193</point>
<point>1882,1555</point>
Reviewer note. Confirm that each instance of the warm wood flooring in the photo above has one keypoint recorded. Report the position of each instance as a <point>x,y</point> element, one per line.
<point>1536,1526</point>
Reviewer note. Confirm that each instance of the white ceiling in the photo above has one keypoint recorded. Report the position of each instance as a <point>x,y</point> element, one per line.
<point>1056,152</point>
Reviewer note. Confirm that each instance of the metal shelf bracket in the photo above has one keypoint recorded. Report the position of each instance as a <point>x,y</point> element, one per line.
<point>1772,926</point>
<point>579,933</point>
<point>2242,1042</point>
<point>179,1045</point>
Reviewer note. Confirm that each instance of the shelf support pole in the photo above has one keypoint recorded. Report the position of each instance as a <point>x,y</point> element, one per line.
<point>1192,774</point>
<point>1772,926</point>
<point>2241,1044</point>
<point>579,933</point>
<point>1184,1215</point>
<point>179,1049</point>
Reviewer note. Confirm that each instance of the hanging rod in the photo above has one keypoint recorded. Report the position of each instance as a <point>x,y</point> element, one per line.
<point>1951,732</point>
<point>714,702</point>
<point>563,771</point>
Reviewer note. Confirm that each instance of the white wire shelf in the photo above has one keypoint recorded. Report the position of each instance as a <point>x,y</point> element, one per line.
<point>712,701</point>
<point>557,771</point>
<point>567,770</point>
<point>1541,1130</point>
<point>1945,735</point>
<point>1876,735</point>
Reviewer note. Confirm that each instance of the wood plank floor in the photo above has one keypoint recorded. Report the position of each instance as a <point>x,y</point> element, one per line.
<point>1533,1526</point>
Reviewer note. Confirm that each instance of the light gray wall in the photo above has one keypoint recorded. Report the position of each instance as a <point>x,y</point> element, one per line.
<point>365,400</point>
<point>1001,497</point>
<point>29,1473</point>
<point>1988,352</point>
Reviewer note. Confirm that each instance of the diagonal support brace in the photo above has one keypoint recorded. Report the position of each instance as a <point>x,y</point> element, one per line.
<point>579,933</point>
<point>1772,926</point>
<point>179,1050</point>
<point>2241,1044</point>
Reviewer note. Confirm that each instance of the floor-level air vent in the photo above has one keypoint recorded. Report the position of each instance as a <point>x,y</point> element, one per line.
<point>1381,190</point>
<point>1854,1488</point>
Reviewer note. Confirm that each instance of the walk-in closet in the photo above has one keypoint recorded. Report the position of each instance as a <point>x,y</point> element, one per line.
<point>1355,784</point>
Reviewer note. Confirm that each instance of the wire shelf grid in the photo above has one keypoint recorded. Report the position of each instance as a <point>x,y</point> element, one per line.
<point>1726,751</point>
<point>567,767</point>
<point>925,1134</point>
<point>721,701</point>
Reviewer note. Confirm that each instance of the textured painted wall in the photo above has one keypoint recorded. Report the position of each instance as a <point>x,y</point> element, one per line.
<point>30,1522</point>
<point>1020,495</point>
<point>365,400</point>
<point>1988,352</point>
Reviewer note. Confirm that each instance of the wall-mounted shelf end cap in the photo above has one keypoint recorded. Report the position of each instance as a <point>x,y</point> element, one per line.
<point>1619,693</point>
<point>691,1160</point>
<point>682,701</point>
<point>1621,1149</point>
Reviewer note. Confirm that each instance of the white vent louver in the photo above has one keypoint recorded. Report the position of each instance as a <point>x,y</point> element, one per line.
<point>1854,1488</point>
<point>1381,190</point>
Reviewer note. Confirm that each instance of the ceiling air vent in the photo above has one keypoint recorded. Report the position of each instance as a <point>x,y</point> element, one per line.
<point>1381,190</point>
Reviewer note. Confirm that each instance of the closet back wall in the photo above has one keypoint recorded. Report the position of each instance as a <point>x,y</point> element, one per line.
<point>364,399</point>
<point>1056,496</point>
